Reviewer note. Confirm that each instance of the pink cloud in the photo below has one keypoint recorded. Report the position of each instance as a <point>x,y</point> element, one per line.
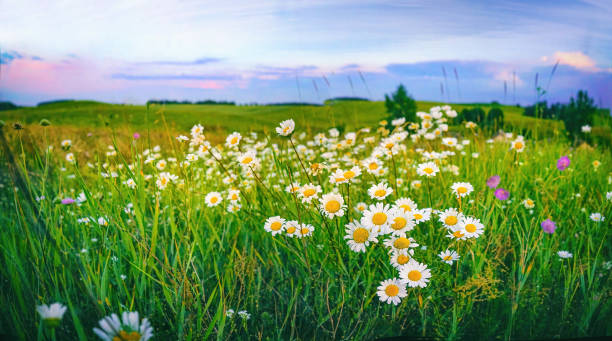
<point>576,59</point>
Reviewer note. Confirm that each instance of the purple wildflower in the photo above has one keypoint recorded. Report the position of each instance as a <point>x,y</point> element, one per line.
<point>548,226</point>
<point>493,181</point>
<point>68,201</point>
<point>136,136</point>
<point>502,194</point>
<point>563,163</point>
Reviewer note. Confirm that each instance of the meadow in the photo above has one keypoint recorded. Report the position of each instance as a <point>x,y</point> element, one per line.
<point>223,222</point>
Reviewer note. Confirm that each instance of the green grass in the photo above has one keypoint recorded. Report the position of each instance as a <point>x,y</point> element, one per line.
<point>186,263</point>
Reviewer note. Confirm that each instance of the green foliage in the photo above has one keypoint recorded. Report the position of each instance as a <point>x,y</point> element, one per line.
<point>495,119</point>
<point>476,115</point>
<point>578,112</point>
<point>400,104</point>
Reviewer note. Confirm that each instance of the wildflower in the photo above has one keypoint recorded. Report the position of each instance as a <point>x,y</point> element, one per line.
<point>292,188</point>
<point>274,225</point>
<point>609,196</point>
<point>586,128</point>
<point>233,195</point>
<point>392,291</point>
<point>564,254</point>
<point>360,207</point>
<point>291,228</point>
<point>400,243</point>
<point>416,274</point>
<point>130,327</point>
<point>66,144</point>
<point>400,222</point>
<point>352,173</point>
<point>51,314</point>
<point>462,189</point>
<point>416,184</point>
<point>332,205</point>
<point>197,130</point>
<point>164,178</point>
<point>448,256</point>
<point>470,125</point>
<point>563,163</point>
<point>421,215</point>
<point>398,121</point>
<point>229,313</point>
<point>286,128</point>
<point>405,204</point>
<point>528,203</point>
<point>450,217</point>
<point>161,164</point>
<point>377,217</point>
<point>428,169</point>
<point>136,136</point>
<point>379,191</point>
<point>502,194</point>
<point>70,157</point>
<point>304,230</point>
<point>548,226</point>
<point>233,139</point>
<point>213,199</point>
<point>244,315</point>
<point>472,227</point>
<point>68,201</point>
<point>596,164</point>
<point>597,217</point>
<point>518,145</point>
<point>102,221</point>
<point>247,159</point>
<point>130,183</point>
<point>399,258</point>
<point>358,237</point>
<point>493,181</point>
<point>309,192</point>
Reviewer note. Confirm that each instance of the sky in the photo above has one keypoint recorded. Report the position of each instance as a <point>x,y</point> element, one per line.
<point>306,51</point>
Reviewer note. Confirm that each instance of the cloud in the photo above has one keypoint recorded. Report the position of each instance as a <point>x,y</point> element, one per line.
<point>576,59</point>
<point>8,56</point>
<point>149,77</point>
<point>200,61</point>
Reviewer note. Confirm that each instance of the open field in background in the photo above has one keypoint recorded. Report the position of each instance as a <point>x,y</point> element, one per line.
<point>171,254</point>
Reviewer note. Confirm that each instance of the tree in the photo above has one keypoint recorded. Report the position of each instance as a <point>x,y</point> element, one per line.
<point>495,119</point>
<point>400,104</point>
<point>578,112</point>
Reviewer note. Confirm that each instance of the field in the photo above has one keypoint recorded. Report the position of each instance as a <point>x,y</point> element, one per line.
<point>244,229</point>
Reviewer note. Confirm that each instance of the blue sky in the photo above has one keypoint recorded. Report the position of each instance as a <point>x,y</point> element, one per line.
<point>275,51</point>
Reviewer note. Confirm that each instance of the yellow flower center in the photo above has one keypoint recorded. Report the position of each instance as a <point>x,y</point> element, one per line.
<point>332,206</point>
<point>373,165</point>
<point>406,208</point>
<point>291,229</point>
<point>234,140</point>
<point>414,275</point>
<point>214,200</point>
<point>529,202</point>
<point>398,223</point>
<point>380,193</point>
<point>389,145</point>
<point>401,243</point>
<point>309,192</point>
<point>458,234</point>
<point>428,170</point>
<point>447,258</point>
<point>163,181</point>
<point>379,218</point>
<point>340,179</point>
<point>361,235</point>
<point>275,226</point>
<point>285,130</point>
<point>247,160</point>
<point>234,196</point>
<point>402,259</point>
<point>518,145</point>
<point>471,228</point>
<point>450,220</point>
<point>349,174</point>
<point>461,190</point>
<point>418,216</point>
<point>304,230</point>
<point>125,336</point>
<point>392,290</point>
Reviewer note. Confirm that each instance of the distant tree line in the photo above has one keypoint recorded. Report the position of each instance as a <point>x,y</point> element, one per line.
<point>207,102</point>
<point>493,120</point>
<point>7,106</point>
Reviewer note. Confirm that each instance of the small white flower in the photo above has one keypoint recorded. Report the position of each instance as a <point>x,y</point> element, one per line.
<point>564,254</point>
<point>286,128</point>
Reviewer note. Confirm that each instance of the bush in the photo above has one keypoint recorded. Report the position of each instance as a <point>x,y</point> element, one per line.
<point>495,119</point>
<point>400,104</point>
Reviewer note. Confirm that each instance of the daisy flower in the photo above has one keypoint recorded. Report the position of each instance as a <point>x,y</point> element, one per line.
<point>457,232</point>
<point>233,207</point>
<point>164,178</point>
<point>130,183</point>
<point>66,144</point>
<point>392,291</point>
<point>597,217</point>
<point>360,207</point>
<point>372,165</point>
<point>294,187</point>
<point>379,191</point>
<point>197,130</point>
<point>70,157</point>
<point>213,199</point>
<point>400,243</point>
<point>286,128</point>
<point>421,215</point>
<point>450,217</point>
<point>332,205</point>
<point>247,159</point>
<point>528,203</point>
<point>377,217</point>
<point>462,189</point>
<point>233,195</point>
<point>351,174</point>
<point>161,164</point>
<point>449,141</point>
<point>358,237</point>
<point>399,258</point>
<point>233,139</point>
<point>472,227</point>
<point>309,192</point>
<point>416,274</point>
<point>51,314</point>
<point>291,228</point>
<point>274,225</point>
<point>130,327</point>
<point>428,169</point>
<point>564,254</point>
<point>305,230</point>
<point>518,145</point>
<point>401,222</point>
<point>448,256</point>
<point>406,204</point>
